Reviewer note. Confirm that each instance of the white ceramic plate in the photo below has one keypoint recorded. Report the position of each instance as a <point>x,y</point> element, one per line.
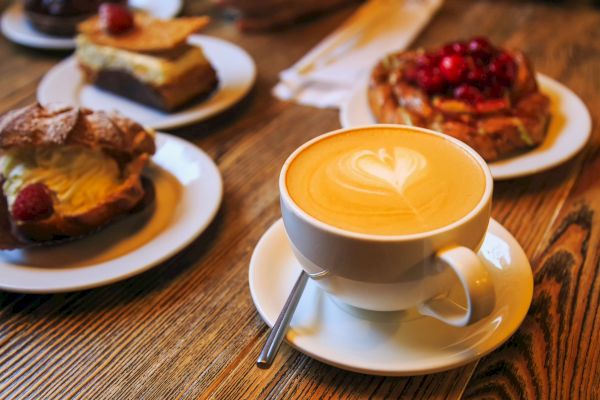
<point>188,194</point>
<point>389,343</point>
<point>17,29</point>
<point>569,130</point>
<point>163,9</point>
<point>235,68</point>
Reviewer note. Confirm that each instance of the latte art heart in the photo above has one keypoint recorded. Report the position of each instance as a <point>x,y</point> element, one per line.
<point>379,170</point>
<point>385,181</point>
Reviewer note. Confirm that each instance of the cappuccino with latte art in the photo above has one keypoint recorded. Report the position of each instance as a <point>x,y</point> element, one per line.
<point>383,216</point>
<point>385,181</point>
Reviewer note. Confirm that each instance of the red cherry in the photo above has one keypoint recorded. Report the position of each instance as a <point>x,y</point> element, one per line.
<point>460,48</point>
<point>467,93</point>
<point>505,58</point>
<point>477,76</point>
<point>504,69</point>
<point>115,18</point>
<point>34,202</point>
<point>479,44</point>
<point>430,80</point>
<point>449,49</point>
<point>453,68</point>
<point>446,50</point>
<point>481,50</point>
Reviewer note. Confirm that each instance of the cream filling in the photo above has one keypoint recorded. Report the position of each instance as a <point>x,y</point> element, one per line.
<point>153,70</point>
<point>78,177</point>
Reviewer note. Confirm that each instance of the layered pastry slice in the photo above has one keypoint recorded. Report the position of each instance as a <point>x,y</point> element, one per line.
<point>65,172</point>
<point>145,59</point>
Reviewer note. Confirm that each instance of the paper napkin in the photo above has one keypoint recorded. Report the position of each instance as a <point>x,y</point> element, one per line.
<point>325,76</point>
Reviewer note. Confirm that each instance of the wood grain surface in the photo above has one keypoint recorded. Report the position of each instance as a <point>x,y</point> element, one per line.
<point>188,328</point>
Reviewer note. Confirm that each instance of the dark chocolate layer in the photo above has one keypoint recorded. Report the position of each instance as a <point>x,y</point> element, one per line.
<point>124,84</point>
<point>193,85</point>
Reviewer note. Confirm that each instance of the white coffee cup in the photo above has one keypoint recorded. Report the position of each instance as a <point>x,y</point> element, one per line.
<point>390,273</point>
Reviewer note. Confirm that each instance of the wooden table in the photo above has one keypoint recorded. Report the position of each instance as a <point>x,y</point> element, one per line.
<point>189,329</point>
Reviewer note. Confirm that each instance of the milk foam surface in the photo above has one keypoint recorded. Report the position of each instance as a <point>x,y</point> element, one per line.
<point>385,181</point>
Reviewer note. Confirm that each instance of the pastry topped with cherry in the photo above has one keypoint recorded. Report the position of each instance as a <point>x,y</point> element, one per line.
<point>145,59</point>
<point>67,171</point>
<point>482,94</point>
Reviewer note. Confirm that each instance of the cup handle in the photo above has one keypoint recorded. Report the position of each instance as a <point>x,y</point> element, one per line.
<point>477,285</point>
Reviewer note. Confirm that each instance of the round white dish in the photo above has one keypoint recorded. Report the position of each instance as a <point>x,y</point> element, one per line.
<point>188,190</point>
<point>235,68</point>
<point>569,130</point>
<point>17,29</point>
<point>389,343</point>
<point>159,8</point>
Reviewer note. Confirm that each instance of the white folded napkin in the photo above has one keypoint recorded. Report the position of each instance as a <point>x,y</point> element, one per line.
<point>325,75</point>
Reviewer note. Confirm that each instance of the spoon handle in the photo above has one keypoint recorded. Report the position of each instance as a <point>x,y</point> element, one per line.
<point>269,350</point>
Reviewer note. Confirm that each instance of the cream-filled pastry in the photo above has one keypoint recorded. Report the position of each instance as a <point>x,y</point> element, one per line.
<point>67,171</point>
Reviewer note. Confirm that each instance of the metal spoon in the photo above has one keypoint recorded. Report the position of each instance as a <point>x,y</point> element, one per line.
<point>269,350</point>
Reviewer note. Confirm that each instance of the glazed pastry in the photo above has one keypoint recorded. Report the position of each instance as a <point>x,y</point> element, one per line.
<point>148,61</point>
<point>61,17</point>
<point>68,171</point>
<point>484,95</point>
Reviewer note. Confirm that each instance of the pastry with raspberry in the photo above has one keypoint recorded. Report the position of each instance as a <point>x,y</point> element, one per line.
<point>67,171</point>
<point>482,94</point>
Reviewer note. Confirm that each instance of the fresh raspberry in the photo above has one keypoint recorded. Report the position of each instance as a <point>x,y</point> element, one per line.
<point>115,18</point>
<point>34,202</point>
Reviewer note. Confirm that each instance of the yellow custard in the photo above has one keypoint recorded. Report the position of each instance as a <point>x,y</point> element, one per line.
<point>79,177</point>
<point>153,70</point>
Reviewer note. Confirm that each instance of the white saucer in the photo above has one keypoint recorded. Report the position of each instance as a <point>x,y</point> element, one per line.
<point>389,343</point>
<point>188,194</point>
<point>16,27</point>
<point>569,129</point>
<point>235,68</point>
